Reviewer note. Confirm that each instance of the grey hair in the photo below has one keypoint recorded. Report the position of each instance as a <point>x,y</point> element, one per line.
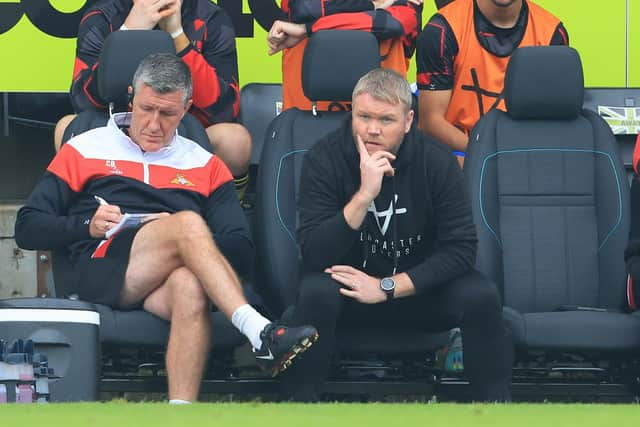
<point>384,85</point>
<point>164,73</point>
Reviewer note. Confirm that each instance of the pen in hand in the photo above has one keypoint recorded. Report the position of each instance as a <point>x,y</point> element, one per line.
<point>100,200</point>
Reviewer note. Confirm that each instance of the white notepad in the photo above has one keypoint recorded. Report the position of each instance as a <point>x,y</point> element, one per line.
<point>128,220</point>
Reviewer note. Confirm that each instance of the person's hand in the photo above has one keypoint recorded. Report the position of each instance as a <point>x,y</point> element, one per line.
<point>145,14</point>
<point>173,22</point>
<point>105,218</point>
<point>284,35</point>
<point>372,169</point>
<point>358,285</point>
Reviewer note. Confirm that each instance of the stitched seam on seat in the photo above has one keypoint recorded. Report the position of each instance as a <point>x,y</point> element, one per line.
<point>535,150</point>
<point>286,229</point>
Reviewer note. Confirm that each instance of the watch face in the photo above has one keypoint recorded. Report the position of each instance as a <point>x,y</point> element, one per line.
<point>387,284</point>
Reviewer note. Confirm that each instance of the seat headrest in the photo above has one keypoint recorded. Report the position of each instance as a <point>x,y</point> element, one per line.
<point>120,56</point>
<point>544,82</point>
<point>334,61</point>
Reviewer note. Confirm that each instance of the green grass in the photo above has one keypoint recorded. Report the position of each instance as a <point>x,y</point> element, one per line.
<point>325,415</point>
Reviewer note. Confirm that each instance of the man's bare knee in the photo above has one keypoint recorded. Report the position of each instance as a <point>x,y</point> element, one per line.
<point>190,224</point>
<point>181,291</point>
<point>58,132</point>
<point>190,230</point>
<point>232,143</point>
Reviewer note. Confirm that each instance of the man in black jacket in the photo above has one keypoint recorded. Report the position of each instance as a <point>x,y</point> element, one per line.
<point>387,239</point>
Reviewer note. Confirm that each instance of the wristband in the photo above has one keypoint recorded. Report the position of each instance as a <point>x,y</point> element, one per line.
<point>176,33</point>
<point>123,28</point>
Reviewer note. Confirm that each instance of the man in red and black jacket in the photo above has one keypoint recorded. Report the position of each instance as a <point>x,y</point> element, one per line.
<point>204,38</point>
<point>395,23</point>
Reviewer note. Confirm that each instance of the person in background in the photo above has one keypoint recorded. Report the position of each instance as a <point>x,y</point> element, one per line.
<point>204,38</point>
<point>395,23</point>
<point>462,55</point>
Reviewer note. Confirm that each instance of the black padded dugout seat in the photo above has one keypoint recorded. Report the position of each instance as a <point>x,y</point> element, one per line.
<point>119,58</point>
<point>551,206</point>
<point>260,103</point>
<point>333,63</point>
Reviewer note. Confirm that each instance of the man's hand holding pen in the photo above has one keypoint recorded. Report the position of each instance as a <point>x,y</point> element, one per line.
<point>106,216</point>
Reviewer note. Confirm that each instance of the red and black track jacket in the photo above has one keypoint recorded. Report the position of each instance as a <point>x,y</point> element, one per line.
<point>211,57</point>
<point>107,163</point>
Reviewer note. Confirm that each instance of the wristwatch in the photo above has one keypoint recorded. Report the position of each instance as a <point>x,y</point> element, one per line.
<point>388,286</point>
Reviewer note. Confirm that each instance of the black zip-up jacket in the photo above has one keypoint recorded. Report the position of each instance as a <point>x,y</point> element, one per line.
<point>435,238</point>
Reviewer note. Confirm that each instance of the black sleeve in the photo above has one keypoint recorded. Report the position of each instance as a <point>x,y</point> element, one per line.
<point>560,36</point>
<point>43,223</point>
<point>93,30</point>
<point>320,209</point>
<point>455,231</point>
<point>401,20</point>
<point>301,11</point>
<point>214,69</point>
<point>229,227</point>
<point>437,49</point>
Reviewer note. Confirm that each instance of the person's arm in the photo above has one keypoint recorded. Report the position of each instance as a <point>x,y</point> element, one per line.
<point>396,21</point>
<point>43,222</point>
<point>436,52</point>
<point>228,223</point>
<point>432,105</point>
<point>365,288</point>
<point>560,36</point>
<point>310,10</point>
<point>328,226</point>
<point>93,30</point>
<point>320,206</point>
<point>214,68</point>
<point>455,230</point>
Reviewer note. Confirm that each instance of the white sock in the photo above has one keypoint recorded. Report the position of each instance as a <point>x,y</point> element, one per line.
<point>179,402</point>
<point>250,323</point>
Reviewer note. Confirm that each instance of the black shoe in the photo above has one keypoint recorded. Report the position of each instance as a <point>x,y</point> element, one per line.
<point>281,344</point>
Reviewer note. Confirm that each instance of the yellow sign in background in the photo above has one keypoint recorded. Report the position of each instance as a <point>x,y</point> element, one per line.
<point>607,38</point>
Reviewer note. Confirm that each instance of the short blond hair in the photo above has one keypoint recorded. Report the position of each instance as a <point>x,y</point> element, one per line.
<point>384,85</point>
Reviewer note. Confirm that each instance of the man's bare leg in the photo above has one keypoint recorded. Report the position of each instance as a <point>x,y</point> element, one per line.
<point>183,240</point>
<point>58,132</point>
<point>182,300</point>
<point>232,143</point>
<point>180,240</point>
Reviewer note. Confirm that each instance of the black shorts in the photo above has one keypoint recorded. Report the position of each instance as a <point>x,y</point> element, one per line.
<point>98,274</point>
